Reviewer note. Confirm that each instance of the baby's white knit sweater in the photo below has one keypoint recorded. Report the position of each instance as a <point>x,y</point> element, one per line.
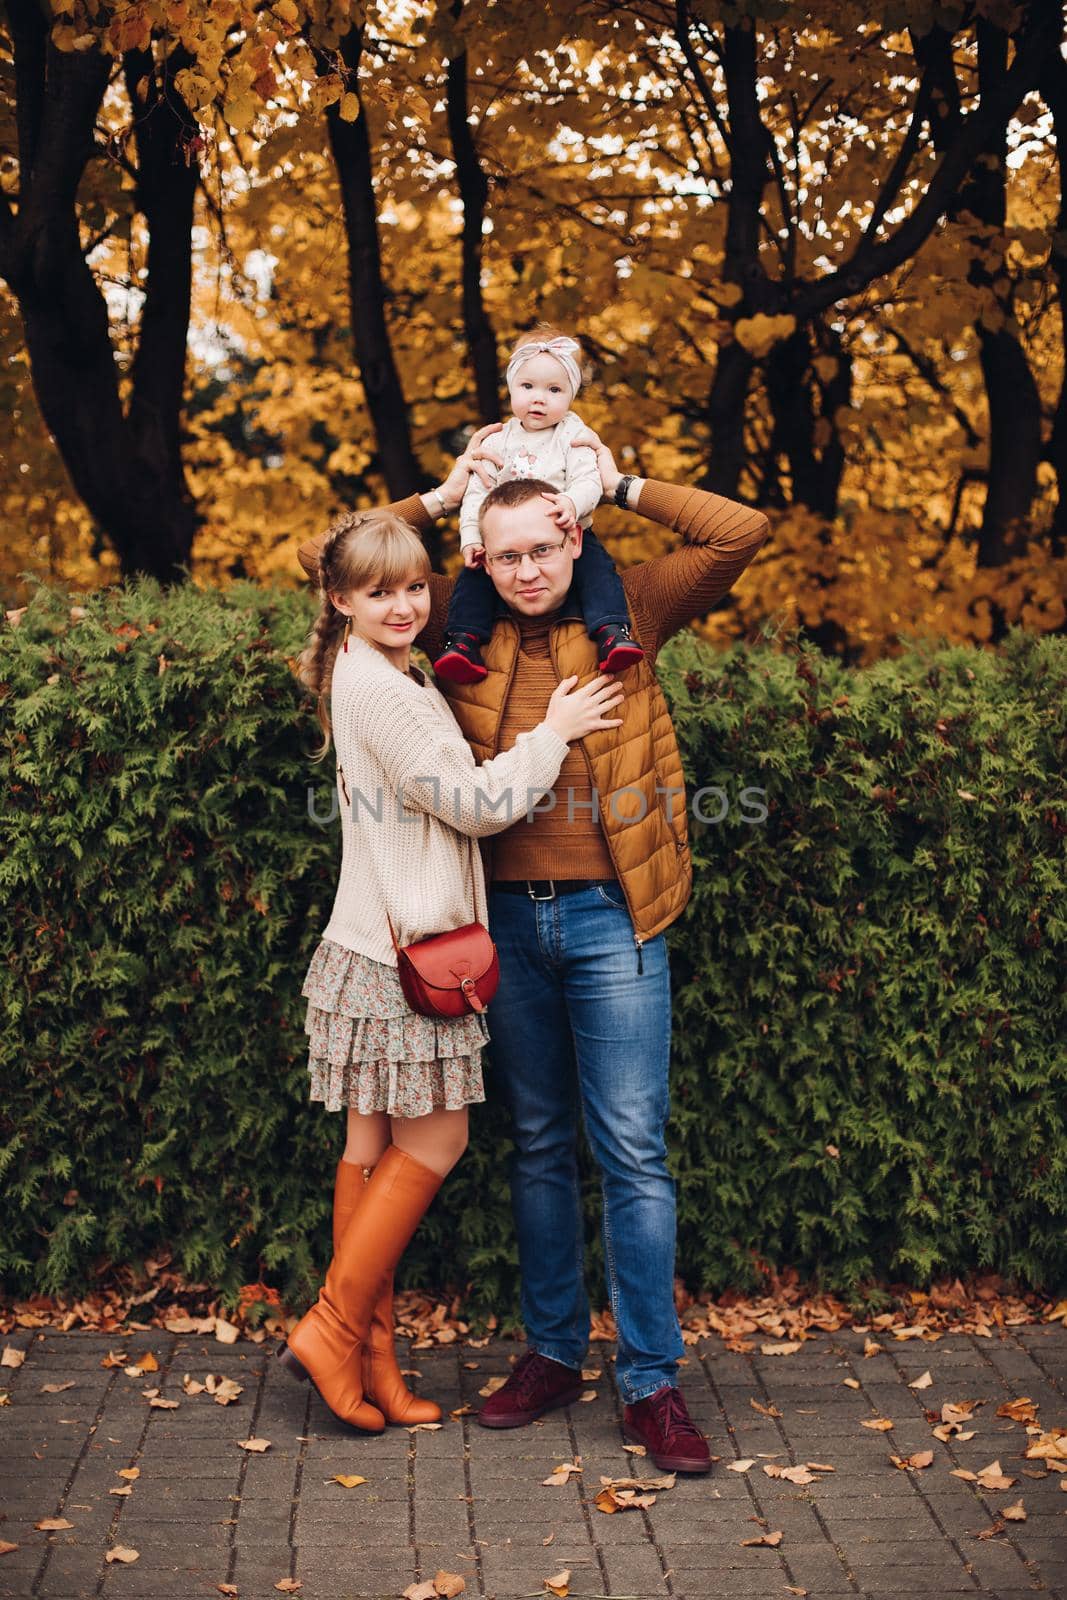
<point>545,453</point>
<point>410,796</point>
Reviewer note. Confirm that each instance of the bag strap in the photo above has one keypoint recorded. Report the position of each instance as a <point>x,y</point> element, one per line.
<point>474,897</point>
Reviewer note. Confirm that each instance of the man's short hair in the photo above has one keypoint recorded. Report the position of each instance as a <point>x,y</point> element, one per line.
<point>515,492</point>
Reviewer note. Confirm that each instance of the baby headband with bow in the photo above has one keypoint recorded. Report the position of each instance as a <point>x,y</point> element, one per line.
<point>563,349</point>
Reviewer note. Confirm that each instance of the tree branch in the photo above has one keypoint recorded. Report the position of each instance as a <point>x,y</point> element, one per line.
<point>1040,37</point>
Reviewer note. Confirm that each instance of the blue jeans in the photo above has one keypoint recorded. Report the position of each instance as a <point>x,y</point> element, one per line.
<point>573,1021</point>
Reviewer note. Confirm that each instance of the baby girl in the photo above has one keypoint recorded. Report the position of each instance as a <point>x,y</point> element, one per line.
<point>543,376</point>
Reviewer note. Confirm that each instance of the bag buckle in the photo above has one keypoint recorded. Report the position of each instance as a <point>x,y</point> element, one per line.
<point>538,897</point>
<point>470,991</point>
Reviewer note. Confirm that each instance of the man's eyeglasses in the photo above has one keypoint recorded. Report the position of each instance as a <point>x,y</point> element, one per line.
<point>541,555</point>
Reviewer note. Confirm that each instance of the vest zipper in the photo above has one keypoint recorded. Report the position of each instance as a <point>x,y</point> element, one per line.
<point>638,941</point>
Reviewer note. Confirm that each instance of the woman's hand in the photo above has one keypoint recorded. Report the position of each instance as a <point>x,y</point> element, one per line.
<point>609,472</point>
<point>474,459</point>
<point>572,712</point>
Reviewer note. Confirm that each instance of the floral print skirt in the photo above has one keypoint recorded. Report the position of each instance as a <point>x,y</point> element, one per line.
<point>367,1049</point>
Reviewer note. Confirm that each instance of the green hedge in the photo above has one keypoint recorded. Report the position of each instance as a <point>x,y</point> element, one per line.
<point>869,1059</point>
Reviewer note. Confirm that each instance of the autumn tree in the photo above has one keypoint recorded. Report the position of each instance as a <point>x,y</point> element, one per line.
<point>118,430</point>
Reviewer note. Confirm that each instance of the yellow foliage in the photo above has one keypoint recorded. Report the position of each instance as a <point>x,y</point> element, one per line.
<point>596,222</point>
<point>761,333</point>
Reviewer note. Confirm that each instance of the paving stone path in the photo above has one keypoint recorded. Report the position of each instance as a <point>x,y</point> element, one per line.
<point>205,1512</point>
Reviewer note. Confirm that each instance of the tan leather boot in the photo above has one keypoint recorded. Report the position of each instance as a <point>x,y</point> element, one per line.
<point>383,1382</point>
<point>322,1345</point>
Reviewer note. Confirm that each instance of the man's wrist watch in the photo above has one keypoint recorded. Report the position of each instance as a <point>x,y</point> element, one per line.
<point>622,489</point>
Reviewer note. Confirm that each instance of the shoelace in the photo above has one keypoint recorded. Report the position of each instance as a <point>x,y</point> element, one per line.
<point>672,1415</point>
<point>526,1375</point>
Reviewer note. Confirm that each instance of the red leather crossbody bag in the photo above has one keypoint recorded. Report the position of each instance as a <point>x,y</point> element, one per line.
<point>449,973</point>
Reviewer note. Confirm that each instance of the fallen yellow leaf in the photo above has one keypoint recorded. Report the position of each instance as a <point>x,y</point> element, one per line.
<point>879,1424</point>
<point>1048,1446</point>
<point>56,1388</point>
<point>741,1466</point>
<point>797,1475</point>
<point>1015,1513</point>
<point>12,1356</point>
<point>559,1584</point>
<point>347,1480</point>
<point>121,1552</point>
<point>449,1584</point>
<point>129,1472</point>
<point>6,1547</point>
<point>771,1539</point>
<point>53,1524</point>
<point>257,1446</point>
<point>922,1383</point>
<point>1021,1410</point>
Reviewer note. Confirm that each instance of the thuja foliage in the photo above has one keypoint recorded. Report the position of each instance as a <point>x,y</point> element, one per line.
<point>869,1068</point>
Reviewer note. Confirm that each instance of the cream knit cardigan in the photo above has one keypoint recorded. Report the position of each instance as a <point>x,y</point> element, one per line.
<point>410,795</point>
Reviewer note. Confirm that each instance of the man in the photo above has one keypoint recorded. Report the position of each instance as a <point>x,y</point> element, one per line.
<point>581,889</point>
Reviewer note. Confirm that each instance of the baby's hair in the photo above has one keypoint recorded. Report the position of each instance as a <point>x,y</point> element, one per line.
<point>542,332</point>
<point>514,492</point>
<point>360,548</point>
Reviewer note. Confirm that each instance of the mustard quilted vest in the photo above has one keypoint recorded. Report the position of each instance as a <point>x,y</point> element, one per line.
<point>646,831</point>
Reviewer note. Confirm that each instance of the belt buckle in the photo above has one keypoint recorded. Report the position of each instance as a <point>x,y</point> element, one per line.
<point>537,898</point>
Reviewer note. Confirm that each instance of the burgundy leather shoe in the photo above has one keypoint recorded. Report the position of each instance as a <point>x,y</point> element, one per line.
<point>537,1385</point>
<point>663,1425</point>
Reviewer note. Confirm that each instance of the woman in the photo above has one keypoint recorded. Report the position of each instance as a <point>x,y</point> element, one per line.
<point>412,800</point>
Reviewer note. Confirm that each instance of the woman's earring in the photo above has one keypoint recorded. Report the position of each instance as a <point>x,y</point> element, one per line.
<point>348,629</point>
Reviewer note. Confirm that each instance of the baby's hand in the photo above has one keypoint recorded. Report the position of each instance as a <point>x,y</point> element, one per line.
<point>474,555</point>
<point>562,511</point>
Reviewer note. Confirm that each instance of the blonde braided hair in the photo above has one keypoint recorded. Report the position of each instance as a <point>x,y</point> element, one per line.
<point>360,549</point>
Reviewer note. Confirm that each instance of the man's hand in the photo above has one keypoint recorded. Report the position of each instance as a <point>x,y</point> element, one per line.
<point>562,510</point>
<point>474,555</point>
<point>474,459</point>
<point>609,472</point>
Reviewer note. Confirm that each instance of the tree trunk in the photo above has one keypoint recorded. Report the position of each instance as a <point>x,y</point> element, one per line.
<point>350,144</point>
<point>1014,404</point>
<point>474,193</point>
<point>726,420</point>
<point>126,467</point>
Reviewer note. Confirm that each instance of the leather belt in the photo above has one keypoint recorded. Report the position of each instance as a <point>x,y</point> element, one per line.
<point>546,888</point>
